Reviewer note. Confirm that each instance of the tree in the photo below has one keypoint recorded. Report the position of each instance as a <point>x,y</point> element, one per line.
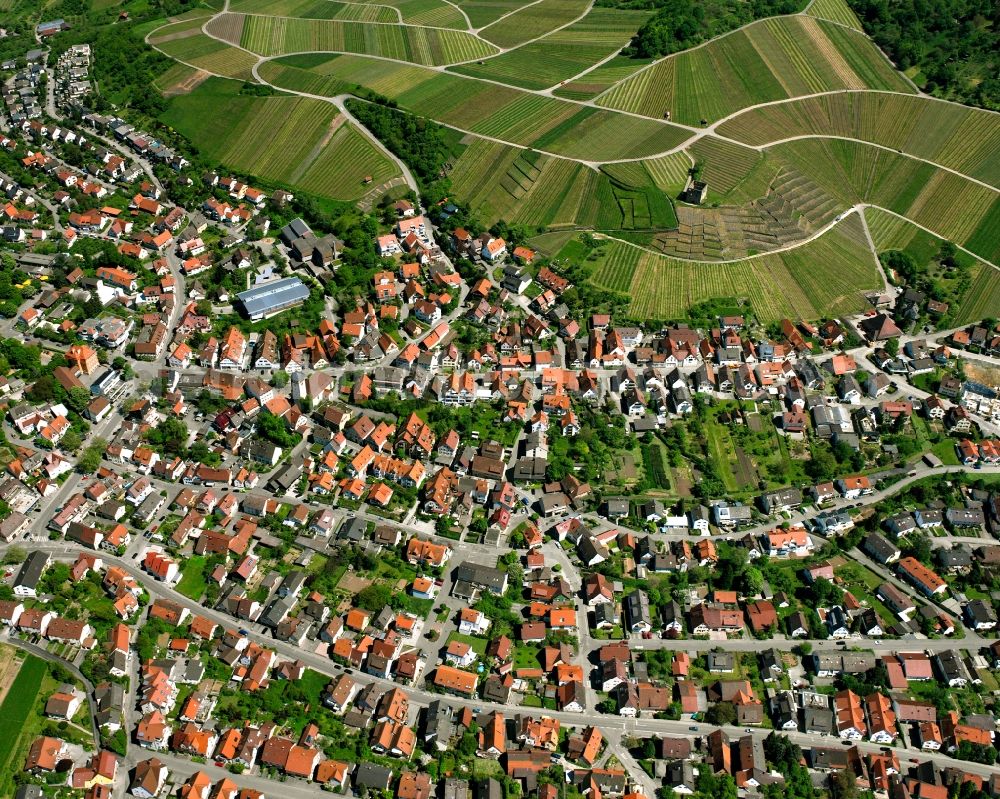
<point>753,581</point>
<point>77,399</point>
<point>721,714</point>
<point>71,441</point>
<point>170,435</point>
<point>274,429</point>
<point>843,784</point>
<point>374,597</point>
<point>468,744</point>
<point>90,460</point>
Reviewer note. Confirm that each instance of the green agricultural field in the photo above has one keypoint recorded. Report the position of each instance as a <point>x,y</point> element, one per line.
<point>286,139</point>
<point>342,165</point>
<point>16,707</point>
<point>964,139</point>
<point>635,202</point>
<point>617,267</point>
<point>175,30</point>
<point>588,85</point>
<point>827,276</point>
<point>517,117</point>
<point>521,186</point>
<point>434,13</point>
<point>724,164</point>
<point>318,9</point>
<point>210,55</point>
<point>533,21</point>
<point>431,46</point>
<point>835,11</point>
<point>564,54</point>
<point>177,79</point>
<point>769,60</point>
<point>338,74</point>
<point>482,13</point>
<point>655,466</point>
<point>670,172</point>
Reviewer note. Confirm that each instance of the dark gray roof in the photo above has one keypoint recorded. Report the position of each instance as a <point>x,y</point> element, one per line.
<point>372,775</point>
<point>31,570</point>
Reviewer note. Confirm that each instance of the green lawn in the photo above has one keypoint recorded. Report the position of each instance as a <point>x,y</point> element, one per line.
<point>478,645</point>
<point>945,450</point>
<point>17,705</point>
<point>192,583</point>
<point>526,656</point>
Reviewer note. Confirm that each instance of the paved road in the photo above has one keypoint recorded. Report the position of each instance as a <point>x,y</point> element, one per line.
<point>420,697</point>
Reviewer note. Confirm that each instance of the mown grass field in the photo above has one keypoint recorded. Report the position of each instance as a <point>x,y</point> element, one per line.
<point>948,204</point>
<point>827,276</point>
<point>563,54</point>
<point>271,36</point>
<point>517,117</point>
<point>177,79</point>
<point>982,296</point>
<point>769,60</point>
<point>286,139</point>
<point>533,21</point>
<point>961,138</point>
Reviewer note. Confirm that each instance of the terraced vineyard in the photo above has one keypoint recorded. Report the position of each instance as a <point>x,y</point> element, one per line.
<point>961,138</point>
<point>563,54</point>
<point>769,60</point>
<point>827,276</point>
<point>914,189</point>
<point>270,36</point>
<point>516,79</point>
<point>292,140</point>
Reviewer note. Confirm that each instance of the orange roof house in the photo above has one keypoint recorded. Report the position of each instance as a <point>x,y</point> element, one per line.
<point>357,620</point>
<point>455,680</point>
<point>560,618</point>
